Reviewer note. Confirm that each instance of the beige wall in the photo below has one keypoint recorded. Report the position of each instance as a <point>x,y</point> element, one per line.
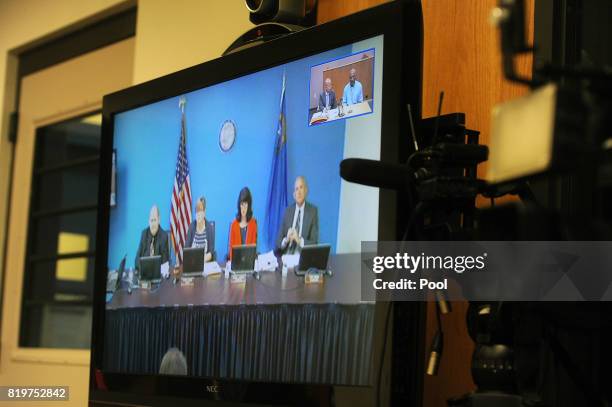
<point>171,35</point>
<point>22,24</point>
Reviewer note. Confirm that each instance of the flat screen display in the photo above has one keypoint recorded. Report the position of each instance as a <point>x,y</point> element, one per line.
<point>250,161</point>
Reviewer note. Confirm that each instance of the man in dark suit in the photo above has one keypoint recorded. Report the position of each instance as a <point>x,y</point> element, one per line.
<point>300,224</point>
<point>327,99</point>
<point>153,240</point>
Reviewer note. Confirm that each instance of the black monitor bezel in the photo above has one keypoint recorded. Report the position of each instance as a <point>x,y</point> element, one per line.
<point>400,23</point>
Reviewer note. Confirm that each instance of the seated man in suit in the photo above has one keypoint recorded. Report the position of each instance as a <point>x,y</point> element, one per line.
<point>327,99</point>
<point>300,225</point>
<point>201,232</point>
<point>353,91</point>
<point>153,240</point>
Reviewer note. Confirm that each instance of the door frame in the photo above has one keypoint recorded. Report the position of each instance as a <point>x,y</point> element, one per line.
<point>110,26</point>
<point>63,91</point>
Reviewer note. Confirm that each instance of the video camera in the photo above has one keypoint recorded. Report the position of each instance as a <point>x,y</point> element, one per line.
<point>553,149</point>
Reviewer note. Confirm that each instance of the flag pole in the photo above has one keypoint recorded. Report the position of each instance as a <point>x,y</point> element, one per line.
<point>283,90</point>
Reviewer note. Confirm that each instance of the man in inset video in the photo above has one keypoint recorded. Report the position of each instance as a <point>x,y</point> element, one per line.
<point>327,99</point>
<point>353,91</point>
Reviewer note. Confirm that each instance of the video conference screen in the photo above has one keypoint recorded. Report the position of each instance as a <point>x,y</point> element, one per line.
<point>234,244</point>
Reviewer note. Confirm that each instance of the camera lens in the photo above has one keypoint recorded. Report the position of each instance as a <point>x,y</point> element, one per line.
<point>253,5</point>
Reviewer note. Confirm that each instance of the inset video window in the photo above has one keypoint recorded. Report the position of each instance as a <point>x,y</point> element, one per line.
<point>342,88</point>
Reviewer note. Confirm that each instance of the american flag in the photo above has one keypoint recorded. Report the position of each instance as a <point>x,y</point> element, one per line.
<point>180,218</point>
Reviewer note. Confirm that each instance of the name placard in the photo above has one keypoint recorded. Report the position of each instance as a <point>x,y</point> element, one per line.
<point>313,278</point>
<point>237,278</point>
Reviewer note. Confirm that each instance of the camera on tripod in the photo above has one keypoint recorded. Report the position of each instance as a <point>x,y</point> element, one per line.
<point>552,148</point>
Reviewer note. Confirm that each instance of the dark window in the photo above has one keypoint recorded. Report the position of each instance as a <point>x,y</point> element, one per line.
<point>573,32</point>
<point>59,264</point>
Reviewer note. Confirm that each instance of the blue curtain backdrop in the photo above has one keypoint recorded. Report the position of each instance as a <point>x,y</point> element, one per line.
<point>146,140</point>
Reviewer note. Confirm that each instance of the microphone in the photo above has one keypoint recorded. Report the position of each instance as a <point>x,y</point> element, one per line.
<point>376,173</point>
<point>435,354</point>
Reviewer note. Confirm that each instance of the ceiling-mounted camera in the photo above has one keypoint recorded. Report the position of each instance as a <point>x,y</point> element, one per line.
<point>274,19</point>
<point>296,12</point>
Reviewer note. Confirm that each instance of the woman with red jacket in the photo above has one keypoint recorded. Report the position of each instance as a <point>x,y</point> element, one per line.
<point>244,228</point>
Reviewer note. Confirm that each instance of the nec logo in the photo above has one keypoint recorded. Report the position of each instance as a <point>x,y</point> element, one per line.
<point>213,389</point>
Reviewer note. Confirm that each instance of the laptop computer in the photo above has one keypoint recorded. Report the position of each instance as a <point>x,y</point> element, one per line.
<point>193,261</point>
<point>150,269</point>
<point>313,256</point>
<point>243,258</point>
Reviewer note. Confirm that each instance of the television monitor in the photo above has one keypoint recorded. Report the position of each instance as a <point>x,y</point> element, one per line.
<point>193,260</point>
<point>150,268</point>
<point>243,257</point>
<point>313,256</point>
<point>252,142</point>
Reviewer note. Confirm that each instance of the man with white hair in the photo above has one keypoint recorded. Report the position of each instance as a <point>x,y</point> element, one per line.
<point>300,224</point>
<point>173,363</point>
<point>153,240</point>
<point>327,99</point>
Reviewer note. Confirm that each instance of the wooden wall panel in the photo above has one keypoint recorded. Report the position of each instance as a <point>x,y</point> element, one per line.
<point>340,77</point>
<point>332,9</point>
<point>462,57</point>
